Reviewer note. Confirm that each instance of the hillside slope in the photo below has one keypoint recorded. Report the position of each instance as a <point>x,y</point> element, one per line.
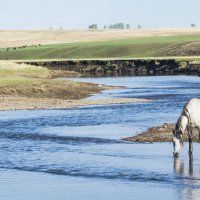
<point>181,45</point>
<point>16,38</point>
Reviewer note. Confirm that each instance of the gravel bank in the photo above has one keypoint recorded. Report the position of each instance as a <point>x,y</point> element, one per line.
<point>31,103</point>
<point>161,133</point>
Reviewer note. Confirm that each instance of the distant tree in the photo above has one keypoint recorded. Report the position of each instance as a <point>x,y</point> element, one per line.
<point>105,27</point>
<point>93,26</point>
<point>111,26</point>
<point>117,26</point>
<point>139,26</point>
<point>127,26</point>
<point>193,25</point>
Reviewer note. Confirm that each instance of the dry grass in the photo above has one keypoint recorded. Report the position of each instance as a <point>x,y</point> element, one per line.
<point>10,69</point>
<point>24,80</point>
<point>12,38</point>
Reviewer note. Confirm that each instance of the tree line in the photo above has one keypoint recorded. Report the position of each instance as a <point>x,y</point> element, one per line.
<point>115,26</point>
<point>122,26</point>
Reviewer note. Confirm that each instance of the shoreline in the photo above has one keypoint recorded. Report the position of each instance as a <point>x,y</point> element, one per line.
<point>27,87</point>
<point>31,103</point>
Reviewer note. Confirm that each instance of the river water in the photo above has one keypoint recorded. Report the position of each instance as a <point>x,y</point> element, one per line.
<point>77,154</point>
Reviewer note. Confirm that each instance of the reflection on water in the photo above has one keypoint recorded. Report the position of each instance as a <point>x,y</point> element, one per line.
<point>188,177</point>
<point>179,165</point>
<point>77,154</point>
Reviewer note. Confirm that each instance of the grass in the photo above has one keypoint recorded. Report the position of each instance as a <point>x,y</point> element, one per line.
<point>11,82</point>
<point>124,48</point>
<point>33,81</point>
<point>17,75</point>
<point>11,69</point>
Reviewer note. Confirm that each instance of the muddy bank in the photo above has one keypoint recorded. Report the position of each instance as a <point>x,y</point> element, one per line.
<point>161,133</point>
<point>31,103</point>
<point>125,67</point>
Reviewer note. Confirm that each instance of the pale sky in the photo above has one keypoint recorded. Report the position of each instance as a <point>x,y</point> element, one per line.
<point>78,14</point>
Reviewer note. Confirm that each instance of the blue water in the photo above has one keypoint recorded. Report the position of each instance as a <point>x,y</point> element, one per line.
<point>78,153</point>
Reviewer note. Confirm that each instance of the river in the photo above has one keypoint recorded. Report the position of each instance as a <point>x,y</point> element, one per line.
<point>78,154</point>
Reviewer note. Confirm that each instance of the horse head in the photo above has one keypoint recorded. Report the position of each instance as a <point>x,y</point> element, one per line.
<point>177,141</point>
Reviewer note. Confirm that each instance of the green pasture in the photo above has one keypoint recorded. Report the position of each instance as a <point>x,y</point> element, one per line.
<point>126,48</point>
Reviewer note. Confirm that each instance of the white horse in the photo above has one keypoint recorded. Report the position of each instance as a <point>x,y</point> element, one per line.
<point>190,118</point>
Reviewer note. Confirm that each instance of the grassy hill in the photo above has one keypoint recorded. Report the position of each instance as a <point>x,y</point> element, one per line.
<point>155,46</point>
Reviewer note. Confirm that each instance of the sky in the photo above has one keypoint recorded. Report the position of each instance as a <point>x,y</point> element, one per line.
<point>79,14</point>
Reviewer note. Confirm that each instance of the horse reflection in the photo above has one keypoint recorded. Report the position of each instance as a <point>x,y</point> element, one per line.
<point>191,165</point>
<point>189,184</point>
<point>179,166</point>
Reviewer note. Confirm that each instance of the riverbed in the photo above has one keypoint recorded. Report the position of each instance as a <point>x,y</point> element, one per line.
<point>78,153</point>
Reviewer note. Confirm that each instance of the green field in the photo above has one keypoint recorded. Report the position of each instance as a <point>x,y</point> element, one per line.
<point>126,48</point>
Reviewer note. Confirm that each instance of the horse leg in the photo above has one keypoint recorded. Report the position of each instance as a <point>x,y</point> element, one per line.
<point>190,139</point>
<point>190,164</point>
